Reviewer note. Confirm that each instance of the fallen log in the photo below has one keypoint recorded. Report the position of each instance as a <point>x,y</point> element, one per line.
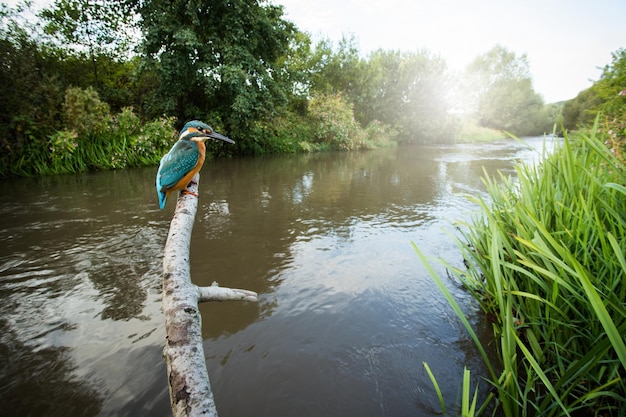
<point>188,378</point>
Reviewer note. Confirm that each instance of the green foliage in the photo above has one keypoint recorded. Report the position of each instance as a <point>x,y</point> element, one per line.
<point>498,88</point>
<point>62,145</point>
<point>603,96</point>
<point>577,112</point>
<point>336,125</point>
<point>95,140</point>
<point>100,26</point>
<point>611,85</point>
<point>336,71</point>
<point>546,263</point>
<point>30,95</point>
<point>422,105</point>
<point>472,132</point>
<point>409,91</point>
<point>612,91</point>
<point>288,133</point>
<point>237,64</point>
<point>216,60</point>
<point>119,146</point>
<point>84,112</point>
<point>380,135</point>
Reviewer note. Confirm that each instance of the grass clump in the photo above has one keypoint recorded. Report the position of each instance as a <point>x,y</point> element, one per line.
<point>471,132</point>
<point>545,260</point>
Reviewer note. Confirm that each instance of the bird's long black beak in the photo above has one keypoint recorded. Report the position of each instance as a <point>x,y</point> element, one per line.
<point>215,135</point>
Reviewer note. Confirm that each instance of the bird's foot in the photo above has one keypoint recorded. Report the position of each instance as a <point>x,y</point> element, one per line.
<point>190,192</point>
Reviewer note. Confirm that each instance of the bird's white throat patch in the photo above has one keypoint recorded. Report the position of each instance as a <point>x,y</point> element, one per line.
<point>190,132</point>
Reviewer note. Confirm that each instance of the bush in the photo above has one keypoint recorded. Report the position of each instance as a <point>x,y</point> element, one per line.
<point>94,140</point>
<point>336,125</point>
<point>84,112</point>
<point>378,135</point>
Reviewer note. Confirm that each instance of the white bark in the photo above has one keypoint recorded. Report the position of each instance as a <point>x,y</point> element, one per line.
<point>189,386</point>
<point>217,293</point>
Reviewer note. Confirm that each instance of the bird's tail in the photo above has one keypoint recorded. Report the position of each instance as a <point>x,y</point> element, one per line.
<point>162,199</point>
<point>162,195</point>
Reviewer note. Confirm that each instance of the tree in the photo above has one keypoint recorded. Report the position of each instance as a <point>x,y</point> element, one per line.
<point>581,110</point>
<point>336,71</point>
<point>409,91</point>
<point>605,96</point>
<point>611,89</point>
<point>95,27</point>
<point>425,99</point>
<point>612,82</point>
<point>31,94</point>
<point>498,90</point>
<point>382,88</point>
<point>216,60</point>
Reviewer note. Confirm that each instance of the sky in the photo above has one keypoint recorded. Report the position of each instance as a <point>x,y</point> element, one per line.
<point>567,42</point>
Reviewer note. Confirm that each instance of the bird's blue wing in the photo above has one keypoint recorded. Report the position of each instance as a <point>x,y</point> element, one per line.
<point>181,159</point>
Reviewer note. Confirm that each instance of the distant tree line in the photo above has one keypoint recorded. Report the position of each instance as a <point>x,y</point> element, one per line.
<point>97,84</point>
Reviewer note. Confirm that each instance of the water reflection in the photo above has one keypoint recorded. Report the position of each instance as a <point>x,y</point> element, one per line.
<point>346,314</point>
<point>79,284</point>
<point>46,375</point>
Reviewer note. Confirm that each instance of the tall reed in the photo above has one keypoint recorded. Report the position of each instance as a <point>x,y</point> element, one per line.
<point>545,261</point>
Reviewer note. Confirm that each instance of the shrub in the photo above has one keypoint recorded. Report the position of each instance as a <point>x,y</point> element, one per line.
<point>84,112</point>
<point>336,125</point>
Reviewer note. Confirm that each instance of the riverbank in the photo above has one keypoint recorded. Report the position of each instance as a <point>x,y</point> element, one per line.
<point>545,261</point>
<point>99,142</point>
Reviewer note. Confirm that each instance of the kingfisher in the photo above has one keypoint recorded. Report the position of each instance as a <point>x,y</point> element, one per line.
<point>185,159</point>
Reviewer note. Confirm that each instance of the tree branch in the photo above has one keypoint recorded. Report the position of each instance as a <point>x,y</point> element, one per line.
<point>189,386</point>
<point>217,293</point>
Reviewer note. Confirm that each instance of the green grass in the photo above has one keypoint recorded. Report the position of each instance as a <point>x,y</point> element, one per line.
<point>472,132</point>
<point>124,143</point>
<point>545,261</point>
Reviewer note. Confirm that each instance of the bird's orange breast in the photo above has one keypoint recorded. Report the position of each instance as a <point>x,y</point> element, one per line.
<point>186,179</point>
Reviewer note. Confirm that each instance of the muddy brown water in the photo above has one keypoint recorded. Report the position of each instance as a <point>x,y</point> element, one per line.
<point>346,316</point>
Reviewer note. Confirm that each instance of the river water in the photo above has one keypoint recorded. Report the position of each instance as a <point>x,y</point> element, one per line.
<point>346,314</point>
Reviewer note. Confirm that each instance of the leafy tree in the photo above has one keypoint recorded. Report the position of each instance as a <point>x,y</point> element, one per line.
<point>406,91</point>
<point>84,112</point>
<point>295,70</point>
<point>337,71</point>
<point>217,60</point>
<point>611,88</point>
<point>31,95</point>
<point>409,91</point>
<point>605,96</point>
<point>95,27</point>
<point>498,89</point>
<point>578,112</point>
<point>382,87</point>
<point>336,126</point>
<point>425,99</point>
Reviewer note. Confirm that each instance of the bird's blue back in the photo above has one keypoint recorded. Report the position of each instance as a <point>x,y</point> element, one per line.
<point>181,159</point>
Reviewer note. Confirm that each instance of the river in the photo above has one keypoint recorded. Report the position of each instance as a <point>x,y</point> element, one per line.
<point>346,315</point>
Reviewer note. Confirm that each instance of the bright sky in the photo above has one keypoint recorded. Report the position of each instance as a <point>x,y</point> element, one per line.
<point>566,41</point>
